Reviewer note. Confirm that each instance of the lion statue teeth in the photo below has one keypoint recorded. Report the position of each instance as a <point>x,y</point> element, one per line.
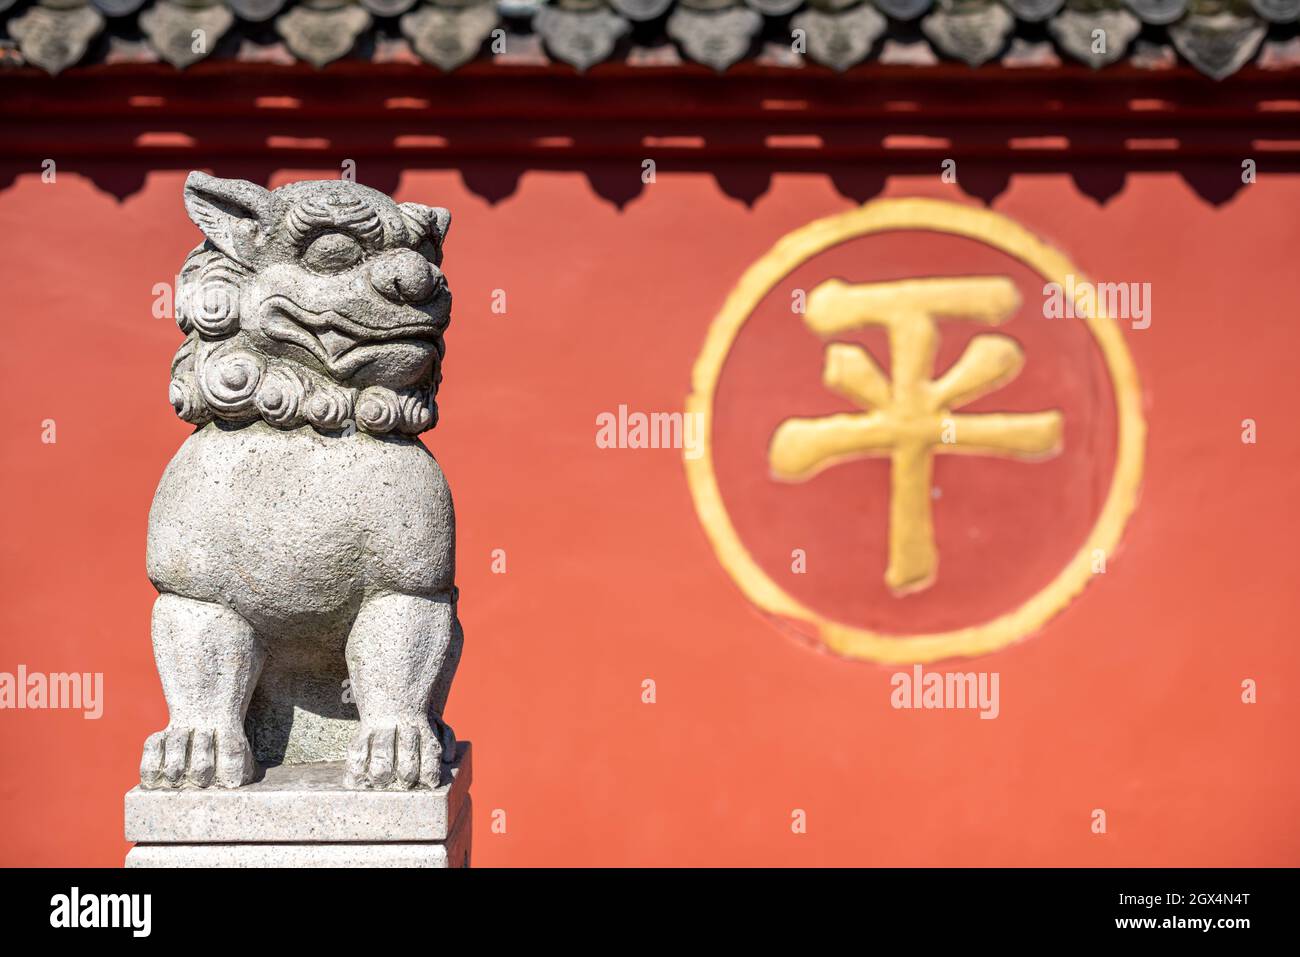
<point>303,533</point>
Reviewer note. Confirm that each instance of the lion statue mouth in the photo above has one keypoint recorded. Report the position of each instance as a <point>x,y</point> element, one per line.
<point>339,343</point>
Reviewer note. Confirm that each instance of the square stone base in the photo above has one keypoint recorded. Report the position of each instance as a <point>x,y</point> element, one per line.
<point>302,816</point>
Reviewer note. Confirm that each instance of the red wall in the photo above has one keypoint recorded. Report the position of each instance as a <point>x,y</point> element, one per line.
<point>1128,701</point>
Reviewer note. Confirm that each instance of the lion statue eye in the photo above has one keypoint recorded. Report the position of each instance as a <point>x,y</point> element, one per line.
<point>332,252</point>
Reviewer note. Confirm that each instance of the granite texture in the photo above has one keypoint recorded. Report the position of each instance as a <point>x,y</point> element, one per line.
<point>455,852</point>
<point>303,803</point>
<point>303,534</point>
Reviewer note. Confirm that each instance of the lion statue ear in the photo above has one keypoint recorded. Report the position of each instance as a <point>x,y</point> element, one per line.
<point>426,223</point>
<point>235,215</point>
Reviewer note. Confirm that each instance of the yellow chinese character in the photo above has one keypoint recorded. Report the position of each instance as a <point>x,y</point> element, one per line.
<point>909,415</point>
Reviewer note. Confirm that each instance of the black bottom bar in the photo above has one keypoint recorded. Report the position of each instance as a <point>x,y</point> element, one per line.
<point>235,910</point>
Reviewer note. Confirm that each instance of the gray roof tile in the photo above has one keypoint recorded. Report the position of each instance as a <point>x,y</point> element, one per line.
<point>1216,37</point>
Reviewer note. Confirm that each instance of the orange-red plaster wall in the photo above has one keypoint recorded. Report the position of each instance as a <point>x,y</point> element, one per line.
<point>1128,701</point>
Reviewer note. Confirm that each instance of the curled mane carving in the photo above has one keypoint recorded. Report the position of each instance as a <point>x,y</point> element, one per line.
<point>320,304</point>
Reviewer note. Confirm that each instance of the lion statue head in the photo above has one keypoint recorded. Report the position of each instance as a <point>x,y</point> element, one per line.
<point>319,303</point>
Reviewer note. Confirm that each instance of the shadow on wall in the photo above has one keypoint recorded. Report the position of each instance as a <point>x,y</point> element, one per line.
<point>493,127</point>
<point>620,181</point>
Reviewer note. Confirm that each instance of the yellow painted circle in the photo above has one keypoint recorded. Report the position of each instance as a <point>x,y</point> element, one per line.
<point>954,219</point>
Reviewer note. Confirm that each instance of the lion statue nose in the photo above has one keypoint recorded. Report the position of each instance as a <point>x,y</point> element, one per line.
<point>403,276</point>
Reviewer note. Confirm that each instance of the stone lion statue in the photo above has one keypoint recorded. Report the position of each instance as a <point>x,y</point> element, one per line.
<point>302,538</point>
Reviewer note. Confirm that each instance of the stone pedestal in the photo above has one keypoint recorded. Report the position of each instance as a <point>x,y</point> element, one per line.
<point>301,815</point>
